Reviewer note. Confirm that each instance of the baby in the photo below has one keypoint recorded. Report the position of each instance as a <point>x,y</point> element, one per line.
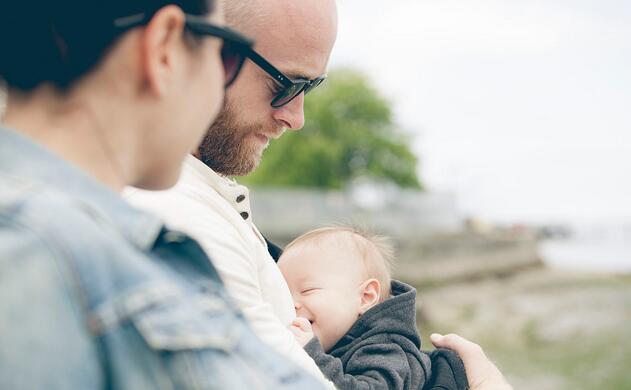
<point>355,322</point>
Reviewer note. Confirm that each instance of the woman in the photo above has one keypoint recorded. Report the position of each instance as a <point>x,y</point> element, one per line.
<point>94,294</point>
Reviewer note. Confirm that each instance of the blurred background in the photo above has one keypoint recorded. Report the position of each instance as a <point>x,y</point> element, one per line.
<point>492,140</point>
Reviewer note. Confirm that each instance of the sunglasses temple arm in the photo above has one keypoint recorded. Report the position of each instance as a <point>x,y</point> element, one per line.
<point>269,68</point>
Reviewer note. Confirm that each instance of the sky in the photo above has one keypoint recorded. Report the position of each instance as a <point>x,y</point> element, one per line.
<point>520,108</point>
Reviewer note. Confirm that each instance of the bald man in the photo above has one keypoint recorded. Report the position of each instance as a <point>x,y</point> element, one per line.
<point>294,39</point>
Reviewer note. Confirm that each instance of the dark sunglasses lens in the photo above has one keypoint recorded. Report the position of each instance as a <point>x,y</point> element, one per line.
<point>288,95</point>
<point>313,85</point>
<point>233,60</point>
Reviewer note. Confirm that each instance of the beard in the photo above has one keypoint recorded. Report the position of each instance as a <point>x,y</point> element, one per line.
<point>227,147</point>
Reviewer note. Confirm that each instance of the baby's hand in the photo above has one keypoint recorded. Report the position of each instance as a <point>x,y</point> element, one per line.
<point>301,328</point>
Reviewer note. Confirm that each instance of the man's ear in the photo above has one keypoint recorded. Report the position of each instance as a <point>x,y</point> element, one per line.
<point>161,45</point>
<point>370,293</point>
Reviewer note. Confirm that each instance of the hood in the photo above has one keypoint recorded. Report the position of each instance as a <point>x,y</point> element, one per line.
<point>396,315</point>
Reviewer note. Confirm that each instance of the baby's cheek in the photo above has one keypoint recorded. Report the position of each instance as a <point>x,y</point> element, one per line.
<point>317,332</point>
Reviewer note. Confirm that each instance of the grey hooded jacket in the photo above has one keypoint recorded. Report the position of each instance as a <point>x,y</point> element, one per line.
<point>381,350</point>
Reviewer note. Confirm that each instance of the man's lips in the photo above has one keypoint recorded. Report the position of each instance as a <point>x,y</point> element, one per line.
<point>265,137</point>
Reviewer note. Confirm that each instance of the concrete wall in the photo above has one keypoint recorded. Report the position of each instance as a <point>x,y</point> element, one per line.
<point>400,213</point>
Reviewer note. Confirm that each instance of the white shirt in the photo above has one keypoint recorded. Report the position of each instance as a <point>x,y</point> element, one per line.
<point>216,212</point>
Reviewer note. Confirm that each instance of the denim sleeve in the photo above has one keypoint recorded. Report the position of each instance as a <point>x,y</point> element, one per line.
<point>44,342</point>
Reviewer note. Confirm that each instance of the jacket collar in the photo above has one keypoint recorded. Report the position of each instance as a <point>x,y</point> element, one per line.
<point>235,194</point>
<point>23,160</point>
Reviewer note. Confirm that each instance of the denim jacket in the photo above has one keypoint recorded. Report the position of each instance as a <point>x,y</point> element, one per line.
<point>96,294</point>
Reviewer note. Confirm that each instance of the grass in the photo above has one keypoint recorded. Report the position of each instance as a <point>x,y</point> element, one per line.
<point>603,363</point>
<point>596,356</point>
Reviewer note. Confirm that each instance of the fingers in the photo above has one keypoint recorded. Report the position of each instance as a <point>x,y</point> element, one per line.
<point>481,372</point>
<point>302,323</point>
<point>474,359</point>
<point>302,331</point>
<point>297,332</point>
<point>465,348</point>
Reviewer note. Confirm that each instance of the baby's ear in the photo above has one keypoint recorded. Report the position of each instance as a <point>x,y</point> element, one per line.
<point>370,292</point>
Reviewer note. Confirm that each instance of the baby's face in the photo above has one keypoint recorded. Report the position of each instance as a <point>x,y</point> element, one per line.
<point>325,285</point>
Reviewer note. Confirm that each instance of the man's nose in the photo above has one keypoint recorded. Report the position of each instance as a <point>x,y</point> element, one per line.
<point>292,115</point>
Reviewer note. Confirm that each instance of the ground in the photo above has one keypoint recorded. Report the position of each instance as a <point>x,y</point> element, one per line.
<point>545,329</point>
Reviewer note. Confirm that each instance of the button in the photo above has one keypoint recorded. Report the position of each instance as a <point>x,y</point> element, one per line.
<point>240,198</point>
<point>173,237</point>
<point>245,215</point>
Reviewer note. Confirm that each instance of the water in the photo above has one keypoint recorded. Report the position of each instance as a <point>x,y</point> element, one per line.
<point>596,248</point>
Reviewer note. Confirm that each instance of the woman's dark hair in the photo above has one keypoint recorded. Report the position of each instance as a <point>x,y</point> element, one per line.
<point>60,41</point>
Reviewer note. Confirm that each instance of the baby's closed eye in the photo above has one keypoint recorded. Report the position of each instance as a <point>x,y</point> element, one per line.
<point>309,290</point>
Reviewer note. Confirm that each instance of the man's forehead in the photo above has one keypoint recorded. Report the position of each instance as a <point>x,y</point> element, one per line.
<point>296,36</point>
<point>295,60</point>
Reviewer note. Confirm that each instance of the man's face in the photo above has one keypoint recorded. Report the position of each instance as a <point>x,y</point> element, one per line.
<point>300,47</point>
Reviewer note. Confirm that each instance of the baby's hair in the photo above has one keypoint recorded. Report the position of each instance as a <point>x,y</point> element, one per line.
<point>377,251</point>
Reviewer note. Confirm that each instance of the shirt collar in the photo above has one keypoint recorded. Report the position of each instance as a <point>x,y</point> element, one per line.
<point>237,195</point>
<point>23,159</point>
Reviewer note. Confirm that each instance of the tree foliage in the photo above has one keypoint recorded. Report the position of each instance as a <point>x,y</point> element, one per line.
<point>349,133</point>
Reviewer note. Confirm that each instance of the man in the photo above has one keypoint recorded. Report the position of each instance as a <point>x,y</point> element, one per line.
<point>294,39</point>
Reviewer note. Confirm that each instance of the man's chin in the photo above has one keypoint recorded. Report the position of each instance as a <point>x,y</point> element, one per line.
<point>237,161</point>
<point>252,162</point>
<point>246,168</point>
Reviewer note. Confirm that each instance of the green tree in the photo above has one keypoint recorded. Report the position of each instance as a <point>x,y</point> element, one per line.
<point>349,133</point>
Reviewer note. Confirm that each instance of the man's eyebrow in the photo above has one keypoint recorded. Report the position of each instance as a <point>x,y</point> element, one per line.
<point>297,75</point>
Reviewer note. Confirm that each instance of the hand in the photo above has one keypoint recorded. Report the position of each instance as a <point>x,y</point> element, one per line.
<point>481,373</point>
<point>302,330</point>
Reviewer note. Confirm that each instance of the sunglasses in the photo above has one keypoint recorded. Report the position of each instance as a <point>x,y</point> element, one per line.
<point>237,48</point>
<point>233,50</point>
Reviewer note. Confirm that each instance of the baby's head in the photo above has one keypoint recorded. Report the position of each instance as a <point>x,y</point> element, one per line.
<point>335,275</point>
